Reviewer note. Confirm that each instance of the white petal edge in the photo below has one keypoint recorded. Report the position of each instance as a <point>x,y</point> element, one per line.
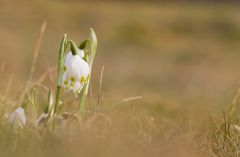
<point>18,117</point>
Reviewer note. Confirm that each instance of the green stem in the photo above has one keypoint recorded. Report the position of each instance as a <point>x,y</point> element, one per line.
<point>83,98</point>
<point>92,51</point>
<point>60,73</point>
<point>58,96</point>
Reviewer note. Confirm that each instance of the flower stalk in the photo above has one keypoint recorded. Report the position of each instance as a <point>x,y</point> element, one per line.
<point>60,73</point>
<point>74,69</point>
<point>92,48</point>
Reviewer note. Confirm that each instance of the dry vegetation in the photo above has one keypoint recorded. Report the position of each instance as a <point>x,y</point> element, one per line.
<point>182,60</point>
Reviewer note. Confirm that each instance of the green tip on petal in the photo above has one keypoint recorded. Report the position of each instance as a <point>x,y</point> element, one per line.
<point>74,48</point>
<point>83,45</point>
<point>73,79</point>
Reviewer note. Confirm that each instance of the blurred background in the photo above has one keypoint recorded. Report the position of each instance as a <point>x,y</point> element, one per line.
<point>178,55</point>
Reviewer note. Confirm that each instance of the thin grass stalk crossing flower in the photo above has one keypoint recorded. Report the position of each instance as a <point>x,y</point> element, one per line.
<point>35,56</point>
<point>92,48</point>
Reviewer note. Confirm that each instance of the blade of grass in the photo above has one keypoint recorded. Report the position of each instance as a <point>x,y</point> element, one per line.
<point>126,100</point>
<point>99,99</point>
<point>36,51</point>
<point>35,56</point>
<point>234,102</point>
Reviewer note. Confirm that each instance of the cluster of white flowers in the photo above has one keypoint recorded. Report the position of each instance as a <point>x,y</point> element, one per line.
<point>73,75</point>
<point>76,72</point>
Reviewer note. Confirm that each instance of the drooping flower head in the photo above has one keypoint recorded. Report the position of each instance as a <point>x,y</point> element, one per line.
<point>18,117</point>
<point>76,72</point>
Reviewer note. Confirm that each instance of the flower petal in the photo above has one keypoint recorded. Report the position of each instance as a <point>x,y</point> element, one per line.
<point>74,69</point>
<point>77,88</point>
<point>21,114</point>
<point>76,72</point>
<point>18,117</point>
<point>68,58</point>
<point>79,68</point>
<point>81,53</point>
<point>65,82</point>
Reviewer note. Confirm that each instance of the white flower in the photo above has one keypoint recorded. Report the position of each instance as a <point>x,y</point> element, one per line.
<point>76,72</point>
<point>18,117</point>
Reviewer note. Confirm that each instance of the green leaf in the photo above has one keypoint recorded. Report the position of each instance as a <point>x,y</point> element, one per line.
<point>93,46</point>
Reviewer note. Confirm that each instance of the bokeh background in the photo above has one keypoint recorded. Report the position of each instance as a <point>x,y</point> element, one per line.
<point>180,56</point>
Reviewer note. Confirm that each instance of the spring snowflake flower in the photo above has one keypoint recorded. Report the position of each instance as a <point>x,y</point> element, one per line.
<point>18,117</point>
<point>76,72</point>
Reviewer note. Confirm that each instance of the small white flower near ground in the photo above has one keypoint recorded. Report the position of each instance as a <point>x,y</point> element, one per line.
<point>18,117</point>
<point>76,72</point>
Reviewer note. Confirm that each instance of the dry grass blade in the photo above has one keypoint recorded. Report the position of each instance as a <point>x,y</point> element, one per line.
<point>35,56</point>
<point>132,98</point>
<point>8,89</point>
<point>234,101</point>
<point>45,75</point>
<point>99,101</point>
<point>36,50</point>
<point>225,137</point>
<point>9,85</point>
<point>127,100</point>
